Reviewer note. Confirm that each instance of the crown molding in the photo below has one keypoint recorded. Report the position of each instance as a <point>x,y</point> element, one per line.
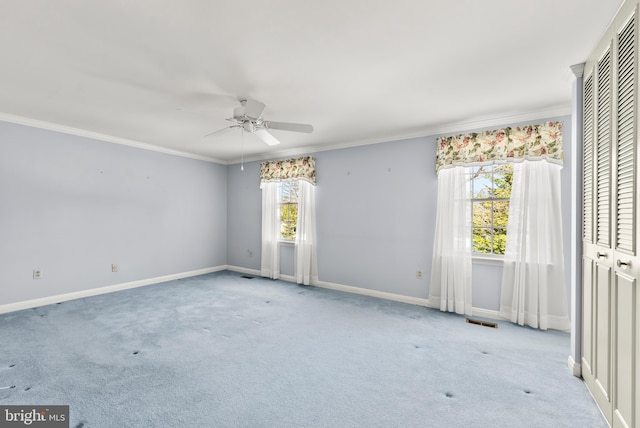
<point>488,122</point>
<point>452,128</point>
<point>577,70</point>
<point>456,127</point>
<point>34,123</point>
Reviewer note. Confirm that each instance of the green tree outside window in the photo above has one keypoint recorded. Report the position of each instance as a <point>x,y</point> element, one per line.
<point>288,200</point>
<point>490,187</point>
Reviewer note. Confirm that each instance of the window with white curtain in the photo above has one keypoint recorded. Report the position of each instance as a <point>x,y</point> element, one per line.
<point>289,214</point>
<point>514,214</point>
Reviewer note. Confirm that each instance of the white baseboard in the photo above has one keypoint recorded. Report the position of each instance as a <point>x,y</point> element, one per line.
<point>288,278</point>
<point>487,313</point>
<point>340,287</point>
<point>239,269</point>
<point>374,293</point>
<point>479,312</point>
<point>28,304</point>
<point>256,272</point>
<point>575,368</point>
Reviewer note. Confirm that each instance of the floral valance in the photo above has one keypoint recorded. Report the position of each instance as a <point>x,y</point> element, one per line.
<point>531,142</point>
<point>303,168</point>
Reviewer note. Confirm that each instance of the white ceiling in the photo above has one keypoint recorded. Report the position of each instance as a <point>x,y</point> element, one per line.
<point>165,73</point>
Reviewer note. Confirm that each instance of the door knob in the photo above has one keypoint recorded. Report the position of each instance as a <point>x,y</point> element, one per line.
<point>601,255</point>
<point>623,265</point>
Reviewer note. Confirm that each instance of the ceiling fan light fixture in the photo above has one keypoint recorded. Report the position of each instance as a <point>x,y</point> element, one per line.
<point>266,137</point>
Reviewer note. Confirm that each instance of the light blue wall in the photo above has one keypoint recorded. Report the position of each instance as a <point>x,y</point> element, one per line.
<point>373,221</point>
<point>244,214</point>
<point>375,218</point>
<point>72,206</point>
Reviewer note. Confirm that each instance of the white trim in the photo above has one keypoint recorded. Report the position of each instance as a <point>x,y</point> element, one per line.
<point>340,287</point>
<point>374,293</point>
<point>576,192</point>
<point>475,123</point>
<point>103,137</point>
<point>577,70</point>
<point>478,312</point>
<point>553,111</point>
<point>486,260</point>
<point>255,272</point>
<point>575,368</point>
<point>28,304</point>
<point>487,313</point>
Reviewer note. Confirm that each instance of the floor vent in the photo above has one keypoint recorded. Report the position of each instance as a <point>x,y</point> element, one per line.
<point>247,277</point>
<point>482,323</point>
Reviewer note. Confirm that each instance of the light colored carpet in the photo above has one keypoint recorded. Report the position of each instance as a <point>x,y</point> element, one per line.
<point>221,350</point>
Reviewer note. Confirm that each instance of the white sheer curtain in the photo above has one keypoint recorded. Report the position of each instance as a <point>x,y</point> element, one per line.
<point>306,264</point>
<point>533,289</point>
<point>450,287</point>
<point>270,263</point>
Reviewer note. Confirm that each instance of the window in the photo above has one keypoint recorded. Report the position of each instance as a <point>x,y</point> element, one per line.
<point>288,207</point>
<point>490,192</point>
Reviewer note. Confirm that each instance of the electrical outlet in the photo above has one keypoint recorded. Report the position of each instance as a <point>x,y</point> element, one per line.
<point>114,268</point>
<point>419,274</point>
<point>37,274</point>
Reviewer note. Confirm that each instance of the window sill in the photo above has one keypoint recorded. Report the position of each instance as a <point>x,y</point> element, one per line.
<point>488,260</point>
<point>287,243</point>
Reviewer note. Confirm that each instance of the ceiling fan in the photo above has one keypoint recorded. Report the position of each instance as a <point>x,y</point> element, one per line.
<point>248,116</point>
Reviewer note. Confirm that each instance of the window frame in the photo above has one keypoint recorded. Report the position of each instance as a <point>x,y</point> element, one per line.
<point>295,203</point>
<point>490,258</point>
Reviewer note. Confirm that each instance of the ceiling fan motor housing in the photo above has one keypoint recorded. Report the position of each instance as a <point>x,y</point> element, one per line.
<point>238,112</point>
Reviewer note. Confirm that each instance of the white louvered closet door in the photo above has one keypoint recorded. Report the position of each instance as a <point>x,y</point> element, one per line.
<point>625,293</point>
<point>611,266</point>
<point>597,251</point>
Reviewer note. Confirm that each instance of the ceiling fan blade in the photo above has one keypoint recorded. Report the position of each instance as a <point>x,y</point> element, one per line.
<point>220,131</point>
<point>254,109</point>
<point>285,126</point>
<point>266,137</point>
